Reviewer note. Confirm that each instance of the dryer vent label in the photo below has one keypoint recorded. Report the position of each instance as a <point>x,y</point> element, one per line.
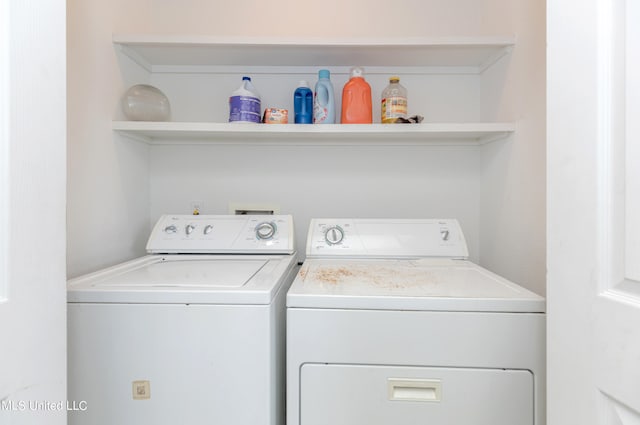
<point>141,390</point>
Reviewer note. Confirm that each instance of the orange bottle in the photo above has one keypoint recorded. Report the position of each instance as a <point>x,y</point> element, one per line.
<point>356,99</point>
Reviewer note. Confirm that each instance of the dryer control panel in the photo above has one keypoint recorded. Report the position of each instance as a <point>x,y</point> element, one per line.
<point>222,234</point>
<point>386,238</point>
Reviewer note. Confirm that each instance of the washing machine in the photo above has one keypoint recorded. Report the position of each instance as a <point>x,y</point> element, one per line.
<point>388,322</point>
<point>192,333</point>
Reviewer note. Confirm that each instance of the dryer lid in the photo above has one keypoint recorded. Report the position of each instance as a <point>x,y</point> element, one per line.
<point>422,284</point>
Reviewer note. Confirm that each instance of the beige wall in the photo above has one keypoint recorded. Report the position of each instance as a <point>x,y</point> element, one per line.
<point>332,18</point>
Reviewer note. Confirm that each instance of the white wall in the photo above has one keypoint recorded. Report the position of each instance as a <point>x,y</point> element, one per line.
<point>33,315</point>
<point>513,194</point>
<point>315,181</point>
<point>108,205</point>
<point>373,182</point>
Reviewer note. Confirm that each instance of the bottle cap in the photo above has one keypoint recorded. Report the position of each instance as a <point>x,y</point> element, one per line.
<point>356,71</point>
<point>394,79</point>
<point>323,73</point>
<point>303,83</point>
<point>244,77</point>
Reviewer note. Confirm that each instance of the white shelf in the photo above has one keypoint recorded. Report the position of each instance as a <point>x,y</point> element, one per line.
<point>444,134</point>
<point>176,54</point>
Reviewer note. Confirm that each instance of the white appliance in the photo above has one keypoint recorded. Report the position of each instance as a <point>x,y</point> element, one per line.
<point>193,333</point>
<point>389,323</point>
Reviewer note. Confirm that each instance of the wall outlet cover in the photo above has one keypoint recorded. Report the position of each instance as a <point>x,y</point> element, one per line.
<point>141,390</point>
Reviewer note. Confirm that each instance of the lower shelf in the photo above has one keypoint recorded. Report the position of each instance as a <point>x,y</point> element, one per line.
<point>462,134</point>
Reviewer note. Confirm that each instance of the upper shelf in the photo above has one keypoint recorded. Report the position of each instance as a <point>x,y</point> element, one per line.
<point>171,53</point>
<point>160,54</point>
<point>449,134</point>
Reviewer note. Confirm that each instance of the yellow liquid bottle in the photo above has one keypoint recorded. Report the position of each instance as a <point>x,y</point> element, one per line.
<point>394,101</point>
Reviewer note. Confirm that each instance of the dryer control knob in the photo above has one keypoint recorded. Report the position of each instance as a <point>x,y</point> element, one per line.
<point>334,235</point>
<point>170,229</point>
<point>189,228</point>
<point>208,228</point>
<point>265,230</point>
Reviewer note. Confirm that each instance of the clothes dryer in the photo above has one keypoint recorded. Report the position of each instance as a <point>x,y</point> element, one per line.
<point>192,333</point>
<point>389,322</point>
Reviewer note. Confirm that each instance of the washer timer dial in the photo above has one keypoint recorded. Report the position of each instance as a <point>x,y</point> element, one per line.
<point>334,235</point>
<point>265,230</point>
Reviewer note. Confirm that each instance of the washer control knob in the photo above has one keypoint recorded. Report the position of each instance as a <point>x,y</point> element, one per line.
<point>170,229</point>
<point>207,229</point>
<point>444,234</point>
<point>334,235</point>
<point>189,229</point>
<point>265,230</point>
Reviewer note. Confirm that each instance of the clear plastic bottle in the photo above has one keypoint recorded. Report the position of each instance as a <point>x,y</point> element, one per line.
<point>394,101</point>
<point>324,104</point>
<point>356,99</point>
<point>244,103</point>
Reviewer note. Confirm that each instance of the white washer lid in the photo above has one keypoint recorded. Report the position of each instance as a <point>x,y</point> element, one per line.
<point>186,279</point>
<point>428,284</point>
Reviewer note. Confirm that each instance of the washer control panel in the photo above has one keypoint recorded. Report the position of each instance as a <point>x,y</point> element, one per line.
<point>380,238</point>
<point>222,234</point>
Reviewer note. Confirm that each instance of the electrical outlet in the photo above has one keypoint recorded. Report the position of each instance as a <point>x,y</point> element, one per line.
<point>195,207</point>
<point>141,390</point>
